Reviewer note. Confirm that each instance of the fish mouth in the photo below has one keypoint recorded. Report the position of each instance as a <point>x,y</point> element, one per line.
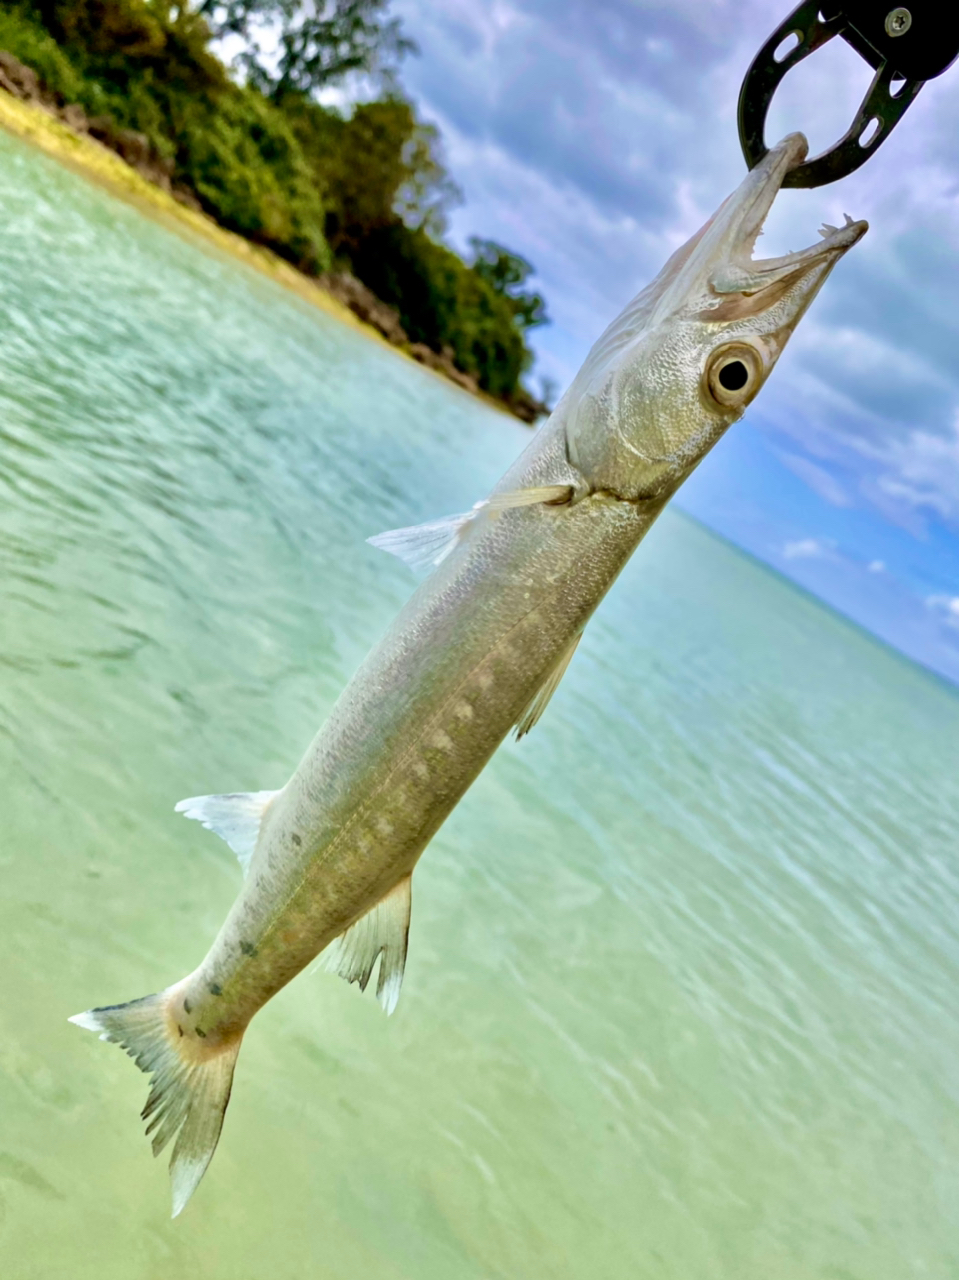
<point>744,214</point>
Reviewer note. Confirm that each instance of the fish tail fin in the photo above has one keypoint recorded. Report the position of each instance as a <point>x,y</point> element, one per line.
<point>189,1089</point>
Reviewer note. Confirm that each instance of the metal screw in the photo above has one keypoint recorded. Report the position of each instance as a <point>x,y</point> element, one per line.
<point>898,22</point>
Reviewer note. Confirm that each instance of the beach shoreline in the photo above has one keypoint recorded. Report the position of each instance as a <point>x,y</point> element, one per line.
<point>35,124</point>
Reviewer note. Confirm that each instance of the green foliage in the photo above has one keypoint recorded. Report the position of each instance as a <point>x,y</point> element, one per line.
<point>268,161</point>
<point>376,165</point>
<point>143,63</point>
<point>319,42</point>
<point>244,162</point>
<point>426,191</point>
<point>507,272</point>
<point>120,42</point>
<point>36,48</point>
<point>445,304</point>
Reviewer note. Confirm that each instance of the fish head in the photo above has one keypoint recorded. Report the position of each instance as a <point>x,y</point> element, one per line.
<point>687,356</point>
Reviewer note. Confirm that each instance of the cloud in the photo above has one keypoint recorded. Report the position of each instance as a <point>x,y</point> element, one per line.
<point>807,549</point>
<point>818,478</point>
<point>923,471</point>
<point>946,608</point>
<point>876,566</point>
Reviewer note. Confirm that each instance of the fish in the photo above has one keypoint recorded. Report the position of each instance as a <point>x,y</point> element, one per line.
<point>479,649</point>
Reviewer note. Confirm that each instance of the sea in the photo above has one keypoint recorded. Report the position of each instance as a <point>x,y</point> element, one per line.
<point>681,1000</point>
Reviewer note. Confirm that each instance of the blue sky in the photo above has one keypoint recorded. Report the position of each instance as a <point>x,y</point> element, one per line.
<point>594,136</point>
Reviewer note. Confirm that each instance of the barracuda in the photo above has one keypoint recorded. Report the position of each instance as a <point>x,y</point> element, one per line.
<point>479,649</point>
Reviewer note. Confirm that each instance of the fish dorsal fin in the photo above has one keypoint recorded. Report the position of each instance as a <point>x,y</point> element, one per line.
<point>540,699</point>
<point>383,931</point>
<point>235,818</point>
<point>424,546</point>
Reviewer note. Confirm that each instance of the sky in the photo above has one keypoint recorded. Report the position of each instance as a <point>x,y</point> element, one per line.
<point>595,136</point>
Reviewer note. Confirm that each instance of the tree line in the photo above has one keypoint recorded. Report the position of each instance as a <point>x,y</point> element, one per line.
<point>363,190</point>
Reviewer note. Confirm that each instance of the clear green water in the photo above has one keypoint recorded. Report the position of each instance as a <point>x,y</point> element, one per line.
<point>681,999</point>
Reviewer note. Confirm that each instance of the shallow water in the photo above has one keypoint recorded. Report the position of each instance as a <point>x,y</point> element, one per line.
<point>681,992</point>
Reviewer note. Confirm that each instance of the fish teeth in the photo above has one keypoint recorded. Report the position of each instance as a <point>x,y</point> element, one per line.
<point>827,229</point>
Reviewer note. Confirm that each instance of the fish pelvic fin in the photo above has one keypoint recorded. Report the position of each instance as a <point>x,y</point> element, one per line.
<point>540,699</point>
<point>235,818</point>
<point>382,933</point>
<point>189,1090</point>
<point>424,546</point>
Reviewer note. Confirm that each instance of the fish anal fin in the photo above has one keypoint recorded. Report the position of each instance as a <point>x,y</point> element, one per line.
<point>235,818</point>
<point>424,546</point>
<point>540,699</point>
<point>382,933</point>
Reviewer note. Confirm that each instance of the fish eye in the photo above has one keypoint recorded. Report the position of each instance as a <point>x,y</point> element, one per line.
<point>734,374</point>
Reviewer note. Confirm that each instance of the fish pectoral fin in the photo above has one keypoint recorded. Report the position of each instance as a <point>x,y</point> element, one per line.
<point>235,818</point>
<point>424,546</point>
<point>540,699</point>
<point>382,932</point>
<point>534,496</point>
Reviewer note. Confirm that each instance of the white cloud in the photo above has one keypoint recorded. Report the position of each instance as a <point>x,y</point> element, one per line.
<point>923,471</point>
<point>876,566</point>
<point>807,549</point>
<point>818,478</point>
<point>946,608</point>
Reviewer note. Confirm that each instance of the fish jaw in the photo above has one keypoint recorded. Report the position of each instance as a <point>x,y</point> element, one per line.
<point>651,400</point>
<point>717,262</point>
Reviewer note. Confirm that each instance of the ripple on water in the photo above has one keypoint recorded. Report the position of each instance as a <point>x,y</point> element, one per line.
<point>680,998</point>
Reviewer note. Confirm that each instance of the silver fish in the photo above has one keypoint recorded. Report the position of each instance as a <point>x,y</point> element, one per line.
<point>479,649</point>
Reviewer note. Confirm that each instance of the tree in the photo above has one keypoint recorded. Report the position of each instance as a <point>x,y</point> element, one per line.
<point>377,166</point>
<point>506,273</point>
<point>309,43</point>
<point>445,304</point>
<point>426,191</point>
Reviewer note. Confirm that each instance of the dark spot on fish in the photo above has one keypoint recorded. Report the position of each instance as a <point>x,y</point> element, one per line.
<point>186,1006</point>
<point>215,989</point>
<point>179,1028</point>
<point>296,839</point>
<point>248,948</point>
<point>201,1033</point>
